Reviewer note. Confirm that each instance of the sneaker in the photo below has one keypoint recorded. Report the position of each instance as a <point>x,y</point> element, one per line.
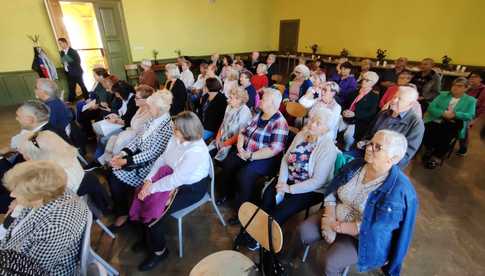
<point>461,152</point>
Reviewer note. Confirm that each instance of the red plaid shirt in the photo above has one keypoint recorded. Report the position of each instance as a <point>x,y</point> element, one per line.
<point>263,134</point>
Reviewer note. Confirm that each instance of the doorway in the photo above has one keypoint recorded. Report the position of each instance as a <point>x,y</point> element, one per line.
<point>96,29</point>
<point>289,31</point>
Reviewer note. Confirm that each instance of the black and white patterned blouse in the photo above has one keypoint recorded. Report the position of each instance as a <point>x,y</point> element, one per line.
<point>147,146</point>
<point>51,235</point>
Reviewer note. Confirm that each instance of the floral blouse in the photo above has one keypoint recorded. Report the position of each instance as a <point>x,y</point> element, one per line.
<point>298,162</point>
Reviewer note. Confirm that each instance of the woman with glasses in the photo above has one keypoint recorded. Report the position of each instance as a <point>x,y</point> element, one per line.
<point>327,100</point>
<point>370,211</point>
<point>299,85</point>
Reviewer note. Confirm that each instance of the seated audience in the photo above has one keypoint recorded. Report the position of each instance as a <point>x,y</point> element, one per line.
<point>245,81</point>
<point>212,107</point>
<point>390,76</point>
<point>258,151</point>
<point>188,158</point>
<point>216,61</point>
<point>428,83</point>
<point>365,66</point>
<point>231,81</point>
<point>253,62</point>
<point>327,100</point>
<point>271,68</point>
<point>177,87</point>
<point>307,166</point>
<point>357,119</point>
<point>134,162</point>
<point>370,211</point>
<point>148,76</point>
<point>125,93</point>
<point>403,79</point>
<point>318,76</point>
<point>46,91</point>
<point>199,84</point>
<point>118,141</point>
<point>477,90</point>
<point>260,80</point>
<point>236,117</point>
<point>226,66</point>
<point>50,227</point>
<point>447,118</point>
<point>299,85</point>
<point>347,83</point>
<point>186,76</point>
<point>401,118</point>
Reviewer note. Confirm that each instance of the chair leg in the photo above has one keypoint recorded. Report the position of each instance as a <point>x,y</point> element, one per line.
<point>305,254</point>
<point>105,229</point>
<point>181,239</point>
<point>221,218</point>
<point>346,271</point>
<point>111,270</point>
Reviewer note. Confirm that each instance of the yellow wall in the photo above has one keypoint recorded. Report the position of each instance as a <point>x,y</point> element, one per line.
<point>412,28</point>
<point>196,27</point>
<point>20,18</point>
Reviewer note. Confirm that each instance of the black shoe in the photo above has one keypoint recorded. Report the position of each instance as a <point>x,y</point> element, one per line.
<point>152,261</point>
<point>138,246</point>
<point>461,152</point>
<point>92,166</point>
<point>221,201</point>
<point>233,221</point>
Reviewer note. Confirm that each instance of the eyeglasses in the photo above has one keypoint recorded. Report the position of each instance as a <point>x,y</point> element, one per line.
<point>33,139</point>
<point>374,146</point>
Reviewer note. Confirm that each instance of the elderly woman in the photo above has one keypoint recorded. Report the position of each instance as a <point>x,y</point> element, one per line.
<point>258,147</point>
<point>90,109</point>
<point>186,75</point>
<point>447,118</point>
<point>346,82</point>
<point>134,162</point>
<point>260,80</point>
<point>358,117</point>
<point>177,87</point>
<point>245,80</point>
<point>299,85</point>
<point>118,141</point>
<point>318,75</point>
<point>327,100</point>
<point>188,157</point>
<point>365,66</point>
<point>226,66</point>
<point>236,117</point>
<point>125,93</point>
<point>212,107</point>
<point>231,81</point>
<point>148,76</point>
<point>50,228</point>
<point>305,168</point>
<point>370,211</point>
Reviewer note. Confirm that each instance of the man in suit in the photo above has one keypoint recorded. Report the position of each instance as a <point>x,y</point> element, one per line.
<point>72,65</point>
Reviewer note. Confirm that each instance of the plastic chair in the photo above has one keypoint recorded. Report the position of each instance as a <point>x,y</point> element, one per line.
<point>209,196</point>
<point>234,263</point>
<point>88,256</point>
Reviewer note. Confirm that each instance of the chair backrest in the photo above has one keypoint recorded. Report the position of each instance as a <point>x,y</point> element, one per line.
<point>277,78</point>
<point>131,70</point>
<point>258,228</point>
<point>296,109</point>
<point>280,87</point>
<point>86,245</point>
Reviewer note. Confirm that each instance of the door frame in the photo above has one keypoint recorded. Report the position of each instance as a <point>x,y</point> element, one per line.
<point>297,33</point>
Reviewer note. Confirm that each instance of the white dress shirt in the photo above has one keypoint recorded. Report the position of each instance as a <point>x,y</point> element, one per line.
<point>188,78</point>
<point>188,160</point>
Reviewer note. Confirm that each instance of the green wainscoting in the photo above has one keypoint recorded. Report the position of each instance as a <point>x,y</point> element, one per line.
<point>17,87</point>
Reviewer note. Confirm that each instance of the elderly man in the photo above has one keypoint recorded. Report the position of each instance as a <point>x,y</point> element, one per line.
<point>46,90</point>
<point>258,151</point>
<point>401,118</point>
<point>253,62</point>
<point>272,67</point>
<point>389,78</point>
<point>33,116</point>
<point>428,83</point>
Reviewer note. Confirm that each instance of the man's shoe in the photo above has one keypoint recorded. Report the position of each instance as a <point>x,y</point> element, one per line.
<point>461,152</point>
<point>152,261</point>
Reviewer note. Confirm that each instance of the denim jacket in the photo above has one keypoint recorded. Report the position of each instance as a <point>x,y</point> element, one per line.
<point>387,222</point>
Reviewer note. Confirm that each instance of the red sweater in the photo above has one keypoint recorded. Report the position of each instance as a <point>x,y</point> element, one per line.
<point>259,81</point>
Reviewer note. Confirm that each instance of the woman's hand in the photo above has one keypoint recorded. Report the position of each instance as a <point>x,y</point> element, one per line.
<point>348,113</point>
<point>117,162</point>
<point>349,228</point>
<point>282,188</point>
<point>145,190</point>
<point>244,155</point>
<point>219,143</point>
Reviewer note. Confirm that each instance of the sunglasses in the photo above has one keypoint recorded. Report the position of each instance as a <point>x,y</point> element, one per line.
<point>33,139</point>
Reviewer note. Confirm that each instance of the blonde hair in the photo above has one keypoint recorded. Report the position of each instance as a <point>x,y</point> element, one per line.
<point>263,67</point>
<point>161,99</point>
<point>232,74</point>
<point>240,93</point>
<point>49,147</point>
<point>36,180</point>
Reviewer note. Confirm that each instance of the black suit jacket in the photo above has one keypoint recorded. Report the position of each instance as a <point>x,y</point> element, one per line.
<point>73,67</point>
<point>60,132</point>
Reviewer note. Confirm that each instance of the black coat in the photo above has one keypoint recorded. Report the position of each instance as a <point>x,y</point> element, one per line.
<point>130,112</point>
<point>74,66</point>
<point>179,96</point>
<point>213,115</point>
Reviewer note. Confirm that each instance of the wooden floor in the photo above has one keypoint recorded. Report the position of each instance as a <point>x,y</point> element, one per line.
<point>449,237</point>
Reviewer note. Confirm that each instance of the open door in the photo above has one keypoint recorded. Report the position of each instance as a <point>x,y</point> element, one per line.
<point>111,25</point>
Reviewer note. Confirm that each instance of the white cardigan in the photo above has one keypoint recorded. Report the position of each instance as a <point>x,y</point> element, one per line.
<point>321,164</point>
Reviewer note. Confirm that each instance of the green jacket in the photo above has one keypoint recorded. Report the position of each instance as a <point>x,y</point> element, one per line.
<point>464,109</point>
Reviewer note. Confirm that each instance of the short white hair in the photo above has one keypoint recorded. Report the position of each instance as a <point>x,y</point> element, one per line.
<point>172,70</point>
<point>275,94</point>
<point>305,71</point>
<point>146,62</point>
<point>37,109</point>
<point>396,144</point>
<point>161,99</point>
<point>410,92</point>
<point>263,67</point>
<point>48,86</point>
<point>323,114</point>
<point>372,76</point>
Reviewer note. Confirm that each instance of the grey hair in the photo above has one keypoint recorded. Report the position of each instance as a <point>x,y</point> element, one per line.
<point>372,76</point>
<point>161,99</point>
<point>37,109</point>
<point>333,86</point>
<point>146,62</point>
<point>172,70</point>
<point>409,91</point>
<point>396,143</point>
<point>461,80</point>
<point>273,56</point>
<point>275,94</point>
<point>189,125</point>
<point>322,113</point>
<point>48,86</point>
<point>305,71</point>
<point>263,67</point>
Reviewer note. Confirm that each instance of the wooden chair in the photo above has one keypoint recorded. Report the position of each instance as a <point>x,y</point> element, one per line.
<point>132,74</point>
<point>298,111</point>
<point>277,78</point>
<point>280,87</point>
<point>230,262</point>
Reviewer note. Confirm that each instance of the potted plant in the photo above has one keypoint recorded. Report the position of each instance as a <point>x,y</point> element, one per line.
<point>35,39</point>
<point>155,55</point>
<point>381,56</point>
<point>344,53</point>
<point>178,52</point>
<point>446,60</point>
<point>314,49</point>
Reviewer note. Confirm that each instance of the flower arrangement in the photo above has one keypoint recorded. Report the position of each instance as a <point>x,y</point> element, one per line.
<point>34,38</point>
<point>344,53</point>
<point>314,48</point>
<point>446,60</point>
<point>381,54</point>
<point>155,55</point>
<point>178,52</point>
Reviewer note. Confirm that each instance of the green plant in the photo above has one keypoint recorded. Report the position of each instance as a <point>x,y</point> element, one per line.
<point>381,54</point>
<point>314,48</point>
<point>178,52</point>
<point>446,60</point>
<point>155,55</point>
<point>344,53</point>
<point>34,38</point>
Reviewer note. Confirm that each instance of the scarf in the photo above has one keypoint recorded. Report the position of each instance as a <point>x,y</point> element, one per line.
<point>362,93</point>
<point>230,124</point>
